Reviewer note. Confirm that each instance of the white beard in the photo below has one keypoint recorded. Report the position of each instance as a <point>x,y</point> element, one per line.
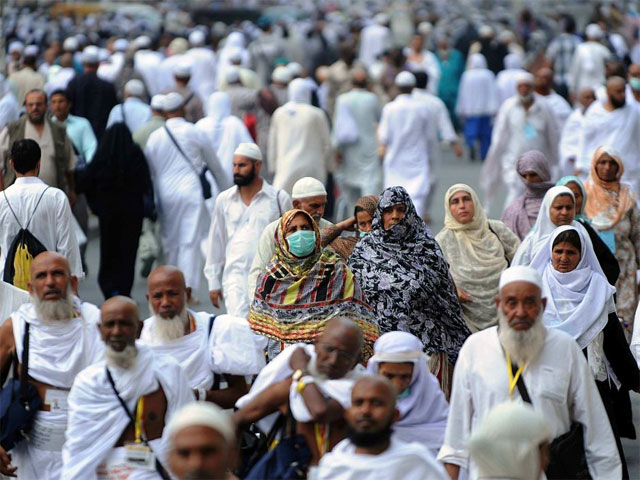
<point>523,345</point>
<point>124,359</point>
<point>51,311</point>
<point>167,329</point>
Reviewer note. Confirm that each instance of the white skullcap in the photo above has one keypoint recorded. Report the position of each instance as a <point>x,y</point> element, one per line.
<point>235,54</point>
<point>91,54</point>
<point>142,41</point>
<point>425,28</point>
<point>104,55</point>
<point>31,51</point>
<point>134,87</point>
<point>197,38</point>
<point>295,69</point>
<point>172,102</point>
<point>181,70</point>
<point>157,102</point>
<point>70,44</point>
<point>594,31</point>
<point>250,150</point>
<point>121,45</point>
<point>405,79</point>
<point>308,187</point>
<point>485,31</point>
<point>281,74</point>
<point>231,74</point>
<point>203,414</point>
<point>520,273</point>
<point>16,46</point>
<point>524,77</point>
<point>506,443</point>
<point>381,19</point>
<point>178,46</point>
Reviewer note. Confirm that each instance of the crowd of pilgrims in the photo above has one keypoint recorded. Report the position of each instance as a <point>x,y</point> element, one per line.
<point>363,348</point>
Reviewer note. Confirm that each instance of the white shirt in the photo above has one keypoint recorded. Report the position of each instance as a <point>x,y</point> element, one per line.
<point>559,107</point>
<point>587,67</point>
<point>559,383</point>
<point>374,39</point>
<point>203,71</point>
<point>570,142</point>
<point>9,109</point>
<point>147,62</point>
<point>136,113</point>
<point>506,83</point>
<point>52,222</point>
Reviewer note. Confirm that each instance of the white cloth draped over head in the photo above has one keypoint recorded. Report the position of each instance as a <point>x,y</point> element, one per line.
<point>423,414</point>
<point>299,91</point>
<point>579,301</point>
<point>97,419</point>
<point>279,369</point>
<point>477,94</point>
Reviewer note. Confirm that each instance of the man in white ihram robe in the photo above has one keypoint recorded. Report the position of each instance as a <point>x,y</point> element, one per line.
<point>507,78</point>
<point>571,138</point>
<point>203,65</point>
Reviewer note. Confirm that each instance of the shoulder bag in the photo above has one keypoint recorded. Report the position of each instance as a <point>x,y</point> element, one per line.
<point>204,183</point>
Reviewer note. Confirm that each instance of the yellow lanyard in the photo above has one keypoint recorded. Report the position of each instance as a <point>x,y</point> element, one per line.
<point>138,425</point>
<point>513,380</point>
<point>322,437</point>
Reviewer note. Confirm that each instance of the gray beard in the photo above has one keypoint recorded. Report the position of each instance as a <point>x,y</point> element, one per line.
<point>167,329</point>
<point>523,345</point>
<point>124,359</point>
<point>51,311</point>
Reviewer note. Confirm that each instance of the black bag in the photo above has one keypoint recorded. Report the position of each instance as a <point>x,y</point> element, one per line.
<point>23,249</point>
<point>204,183</point>
<point>567,459</point>
<point>19,401</point>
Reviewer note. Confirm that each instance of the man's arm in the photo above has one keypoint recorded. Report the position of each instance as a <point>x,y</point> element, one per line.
<point>269,401</point>
<point>330,233</point>
<point>216,253</point>
<point>66,241</point>
<point>7,347</point>
<point>265,252</point>
<point>89,142</point>
<point>227,397</point>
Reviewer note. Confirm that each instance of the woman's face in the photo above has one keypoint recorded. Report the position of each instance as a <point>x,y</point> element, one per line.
<point>577,193</point>
<point>607,168</point>
<point>393,215</point>
<point>461,206</point>
<point>562,210</point>
<point>565,257</point>
<point>363,219</point>
<point>531,177</point>
<point>299,222</point>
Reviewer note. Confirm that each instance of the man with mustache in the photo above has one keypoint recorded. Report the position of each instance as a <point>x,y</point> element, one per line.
<point>103,439</point>
<point>241,214</point>
<point>549,362</point>
<point>63,340</point>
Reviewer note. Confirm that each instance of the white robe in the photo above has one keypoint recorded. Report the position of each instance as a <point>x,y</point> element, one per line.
<point>406,461</point>
<point>57,353</point>
<point>136,114</point>
<point>506,83</point>
<point>559,107</point>
<point>203,71</point>
<point>559,383</point>
<point>147,63</point>
<point>11,298</point>
<point>9,109</point>
<point>430,65</point>
<point>374,39</point>
<point>587,67</point>
<point>477,95</point>
<point>97,419</point>
<point>570,142</point>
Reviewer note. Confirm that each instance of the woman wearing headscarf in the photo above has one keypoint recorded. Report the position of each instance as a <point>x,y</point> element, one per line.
<point>607,259</point>
<point>521,214</point>
<point>423,409</point>
<point>615,215</point>
<point>406,280</point>
<point>363,214</point>
<point>580,302</point>
<point>304,287</point>
<point>478,250</point>
<point>224,131</point>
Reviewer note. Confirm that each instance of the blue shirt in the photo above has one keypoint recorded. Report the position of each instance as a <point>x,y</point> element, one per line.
<point>81,135</point>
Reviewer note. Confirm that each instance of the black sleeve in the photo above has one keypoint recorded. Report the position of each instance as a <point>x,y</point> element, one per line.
<point>607,259</point>
<point>619,355</point>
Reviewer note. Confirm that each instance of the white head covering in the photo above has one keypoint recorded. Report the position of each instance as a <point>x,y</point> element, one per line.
<point>307,187</point>
<point>142,42</point>
<point>16,46</point>
<point>524,77</point>
<point>281,74</point>
<point>299,91</point>
<point>485,31</point>
<point>121,45</point>
<point>31,51</point>
<point>381,18</point>
<point>477,60</point>
<point>90,54</point>
<point>134,87</point>
<point>197,38</point>
<point>70,44</point>
<point>405,79</point>
<point>157,102</point>
<point>231,74</point>
<point>202,414</point>
<point>295,69</point>
<point>506,443</point>
<point>181,70</point>
<point>235,54</point>
<point>593,31</point>
<point>578,302</point>
<point>250,150</point>
<point>172,102</point>
<point>218,106</point>
<point>520,273</point>
<point>512,61</point>
<point>423,413</point>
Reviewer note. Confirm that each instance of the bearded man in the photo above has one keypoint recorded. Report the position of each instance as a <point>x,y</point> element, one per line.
<point>549,362</point>
<point>62,340</point>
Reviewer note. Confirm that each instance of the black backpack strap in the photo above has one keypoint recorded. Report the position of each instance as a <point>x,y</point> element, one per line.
<point>26,227</point>
<point>522,388</point>
<point>216,377</point>
<point>24,373</point>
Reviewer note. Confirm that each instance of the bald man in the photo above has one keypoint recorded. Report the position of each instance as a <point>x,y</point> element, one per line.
<point>314,381</point>
<point>153,388</point>
<point>209,349</point>
<point>371,451</point>
<point>63,340</point>
<point>543,87</point>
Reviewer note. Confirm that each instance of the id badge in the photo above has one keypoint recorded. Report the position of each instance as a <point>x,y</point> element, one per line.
<point>56,399</point>
<point>609,238</point>
<point>139,456</point>
<point>530,131</point>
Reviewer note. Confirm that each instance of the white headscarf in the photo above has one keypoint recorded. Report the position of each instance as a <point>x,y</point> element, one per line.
<point>578,302</point>
<point>423,413</point>
<point>299,91</point>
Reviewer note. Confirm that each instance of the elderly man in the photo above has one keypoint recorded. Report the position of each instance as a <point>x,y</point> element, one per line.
<point>118,408</point>
<point>523,123</point>
<point>133,112</point>
<point>177,154</point>
<point>61,333</point>
<point>208,348</point>
<point>371,449</point>
<point>241,215</point>
<point>314,381</point>
<point>201,443</point>
<point>555,375</point>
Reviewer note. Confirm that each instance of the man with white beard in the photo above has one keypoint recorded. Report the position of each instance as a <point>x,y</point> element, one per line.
<point>208,348</point>
<point>63,340</point>
<point>551,365</point>
<point>102,439</point>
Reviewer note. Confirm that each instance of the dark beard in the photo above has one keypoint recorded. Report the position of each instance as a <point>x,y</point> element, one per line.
<point>244,180</point>
<point>615,104</point>
<point>370,439</point>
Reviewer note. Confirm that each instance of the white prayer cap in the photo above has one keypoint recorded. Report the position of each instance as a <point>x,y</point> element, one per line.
<point>235,54</point>
<point>308,187</point>
<point>143,41</point>
<point>181,70</point>
<point>91,54</point>
<point>381,18</point>
<point>203,414</point>
<point>231,74</point>
<point>520,273</point>
<point>524,77</point>
<point>178,46</point>
<point>157,102</point>
<point>197,38</point>
<point>425,28</point>
<point>485,31</point>
<point>172,102</point>
<point>70,44</point>
<point>250,150</point>
<point>405,79</point>
<point>134,87</point>
<point>506,443</point>
<point>281,74</point>
<point>31,51</point>
<point>103,55</point>
<point>594,31</point>
<point>295,69</point>
<point>512,61</point>
<point>121,45</point>
<point>16,46</point>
